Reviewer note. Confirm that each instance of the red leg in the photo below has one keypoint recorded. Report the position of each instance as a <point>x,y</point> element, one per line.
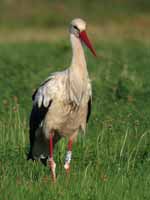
<point>70,145</point>
<point>51,160</point>
<point>68,156</point>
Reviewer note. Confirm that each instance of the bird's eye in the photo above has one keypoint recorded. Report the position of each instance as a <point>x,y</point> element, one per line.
<point>76,28</point>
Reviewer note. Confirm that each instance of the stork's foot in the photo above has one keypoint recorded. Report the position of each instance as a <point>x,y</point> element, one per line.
<point>67,167</point>
<point>52,166</point>
<point>68,160</point>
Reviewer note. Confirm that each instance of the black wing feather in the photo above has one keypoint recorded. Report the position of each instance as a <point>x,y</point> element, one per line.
<point>89,109</point>
<point>33,96</point>
<point>36,117</point>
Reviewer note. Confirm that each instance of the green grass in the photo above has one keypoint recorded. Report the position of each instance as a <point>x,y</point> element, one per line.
<point>112,161</point>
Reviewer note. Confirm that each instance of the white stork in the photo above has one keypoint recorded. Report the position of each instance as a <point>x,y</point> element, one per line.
<point>62,103</point>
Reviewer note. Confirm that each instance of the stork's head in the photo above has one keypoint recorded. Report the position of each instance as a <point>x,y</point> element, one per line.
<point>78,28</point>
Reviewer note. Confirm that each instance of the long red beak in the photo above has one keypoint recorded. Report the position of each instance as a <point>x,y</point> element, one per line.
<point>85,39</point>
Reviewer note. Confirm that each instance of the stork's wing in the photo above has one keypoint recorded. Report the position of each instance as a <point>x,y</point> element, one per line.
<point>53,87</point>
<point>89,109</point>
<point>41,104</point>
<point>89,106</point>
<point>36,117</point>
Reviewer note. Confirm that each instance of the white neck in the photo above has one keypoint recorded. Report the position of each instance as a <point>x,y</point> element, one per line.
<point>78,58</point>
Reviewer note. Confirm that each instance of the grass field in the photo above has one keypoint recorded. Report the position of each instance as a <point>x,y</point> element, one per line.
<point>112,161</point>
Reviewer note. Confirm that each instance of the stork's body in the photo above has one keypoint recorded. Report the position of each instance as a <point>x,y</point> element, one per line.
<point>61,105</point>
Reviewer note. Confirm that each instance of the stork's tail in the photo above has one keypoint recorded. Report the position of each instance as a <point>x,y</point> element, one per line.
<point>30,156</point>
<point>38,151</point>
<point>43,160</point>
